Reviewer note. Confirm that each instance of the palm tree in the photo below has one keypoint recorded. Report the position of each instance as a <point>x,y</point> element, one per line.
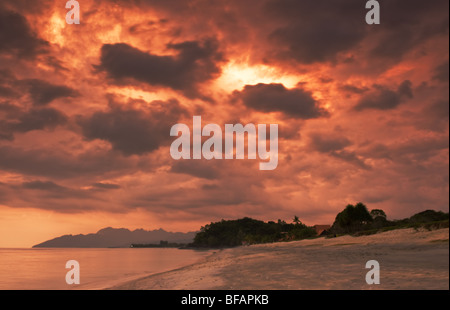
<point>296,220</point>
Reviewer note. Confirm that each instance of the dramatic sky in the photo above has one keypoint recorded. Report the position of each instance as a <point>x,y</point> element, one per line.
<point>86,111</point>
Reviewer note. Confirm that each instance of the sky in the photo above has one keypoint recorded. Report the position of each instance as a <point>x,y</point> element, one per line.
<point>86,111</point>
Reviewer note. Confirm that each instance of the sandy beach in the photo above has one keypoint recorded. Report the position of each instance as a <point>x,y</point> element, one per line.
<point>408,259</point>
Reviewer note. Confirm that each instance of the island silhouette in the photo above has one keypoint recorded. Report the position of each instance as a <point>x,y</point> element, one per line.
<point>116,237</point>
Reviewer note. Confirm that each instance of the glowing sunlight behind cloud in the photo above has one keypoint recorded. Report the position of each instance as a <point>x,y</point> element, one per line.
<point>237,75</point>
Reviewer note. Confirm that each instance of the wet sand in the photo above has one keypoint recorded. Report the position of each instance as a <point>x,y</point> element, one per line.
<point>408,259</point>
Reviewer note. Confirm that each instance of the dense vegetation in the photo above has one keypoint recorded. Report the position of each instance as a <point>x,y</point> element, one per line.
<point>354,219</point>
<point>249,231</point>
<point>357,220</point>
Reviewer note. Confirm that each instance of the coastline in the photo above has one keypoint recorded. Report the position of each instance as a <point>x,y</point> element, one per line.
<point>408,258</point>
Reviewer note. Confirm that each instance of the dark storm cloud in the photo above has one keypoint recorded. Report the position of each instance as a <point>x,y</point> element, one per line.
<point>7,84</point>
<point>311,31</point>
<point>433,116</point>
<point>18,120</point>
<point>334,145</point>
<point>36,119</point>
<point>438,110</point>
<point>295,102</point>
<point>106,186</point>
<point>38,190</point>
<point>32,193</point>
<point>324,143</point>
<point>441,72</point>
<point>353,89</point>
<point>195,63</point>
<point>350,157</point>
<point>16,36</point>
<point>42,92</point>
<point>232,190</point>
<point>197,168</point>
<point>43,185</point>
<point>316,31</point>
<point>15,118</point>
<point>10,110</point>
<point>383,98</point>
<point>421,149</point>
<point>5,134</point>
<point>60,164</point>
<point>7,92</point>
<point>130,130</point>
<point>418,150</point>
<point>33,7</point>
<point>406,26</point>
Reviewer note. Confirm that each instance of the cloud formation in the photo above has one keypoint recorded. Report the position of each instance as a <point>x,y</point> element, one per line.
<point>16,36</point>
<point>314,31</point>
<point>21,121</point>
<point>42,92</point>
<point>131,130</point>
<point>295,102</point>
<point>383,98</point>
<point>196,62</point>
<point>86,110</point>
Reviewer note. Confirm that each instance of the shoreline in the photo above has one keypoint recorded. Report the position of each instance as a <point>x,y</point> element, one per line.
<point>409,259</point>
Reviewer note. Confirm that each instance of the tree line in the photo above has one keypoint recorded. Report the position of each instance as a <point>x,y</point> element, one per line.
<point>354,219</point>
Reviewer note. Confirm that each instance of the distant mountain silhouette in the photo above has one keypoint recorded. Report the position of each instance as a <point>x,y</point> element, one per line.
<point>116,237</point>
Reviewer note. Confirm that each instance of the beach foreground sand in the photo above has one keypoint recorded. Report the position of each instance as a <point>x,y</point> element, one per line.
<point>408,259</point>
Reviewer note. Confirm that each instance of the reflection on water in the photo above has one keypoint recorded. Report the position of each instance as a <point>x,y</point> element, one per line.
<point>44,268</point>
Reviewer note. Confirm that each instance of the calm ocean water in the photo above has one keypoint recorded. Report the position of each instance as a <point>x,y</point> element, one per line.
<point>44,268</point>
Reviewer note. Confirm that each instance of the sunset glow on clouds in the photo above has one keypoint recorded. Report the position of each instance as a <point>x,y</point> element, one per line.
<point>86,110</point>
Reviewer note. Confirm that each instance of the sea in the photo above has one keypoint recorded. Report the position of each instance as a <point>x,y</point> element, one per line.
<point>99,268</point>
